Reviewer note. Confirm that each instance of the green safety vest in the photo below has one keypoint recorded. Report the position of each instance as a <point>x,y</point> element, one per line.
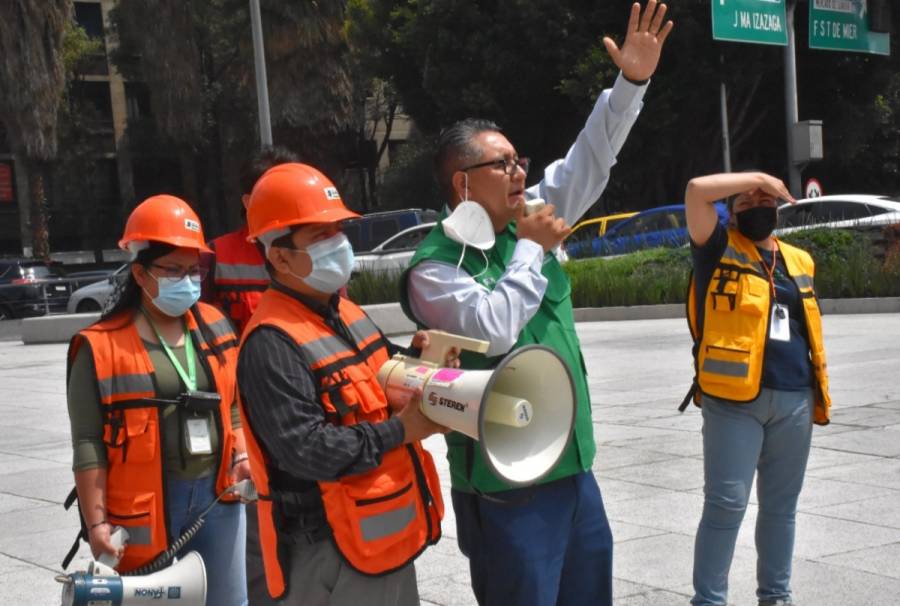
<point>552,326</point>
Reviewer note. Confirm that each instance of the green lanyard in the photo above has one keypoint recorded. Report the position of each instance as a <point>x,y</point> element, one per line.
<point>189,377</point>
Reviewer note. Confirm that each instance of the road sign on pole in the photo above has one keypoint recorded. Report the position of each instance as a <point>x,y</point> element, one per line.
<point>754,21</point>
<point>844,25</point>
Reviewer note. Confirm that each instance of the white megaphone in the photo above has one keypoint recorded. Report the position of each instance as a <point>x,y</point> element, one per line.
<point>521,412</point>
<point>183,582</point>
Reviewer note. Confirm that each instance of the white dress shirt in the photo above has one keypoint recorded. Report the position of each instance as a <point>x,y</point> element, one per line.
<point>446,298</point>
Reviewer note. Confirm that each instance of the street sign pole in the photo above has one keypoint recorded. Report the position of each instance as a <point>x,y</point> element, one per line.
<point>791,112</point>
<point>723,108</point>
<point>262,87</point>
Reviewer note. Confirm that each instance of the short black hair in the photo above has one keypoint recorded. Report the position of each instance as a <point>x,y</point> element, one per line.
<point>264,159</point>
<point>455,149</point>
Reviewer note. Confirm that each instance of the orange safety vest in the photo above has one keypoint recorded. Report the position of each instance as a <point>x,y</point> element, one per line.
<point>381,519</point>
<point>729,353</point>
<point>240,276</point>
<point>135,483</point>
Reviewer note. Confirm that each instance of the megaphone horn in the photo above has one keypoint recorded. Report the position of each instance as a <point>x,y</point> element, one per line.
<point>522,412</point>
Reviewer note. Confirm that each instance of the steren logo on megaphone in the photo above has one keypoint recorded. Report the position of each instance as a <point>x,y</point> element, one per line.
<point>434,400</point>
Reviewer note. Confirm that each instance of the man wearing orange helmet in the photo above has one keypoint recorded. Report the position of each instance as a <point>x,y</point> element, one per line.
<point>328,456</point>
<point>152,403</point>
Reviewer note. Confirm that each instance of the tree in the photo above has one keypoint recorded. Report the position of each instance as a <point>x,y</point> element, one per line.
<point>536,67</point>
<point>32,80</point>
<point>197,62</point>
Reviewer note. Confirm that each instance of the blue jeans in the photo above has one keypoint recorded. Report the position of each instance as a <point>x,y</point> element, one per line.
<point>220,541</point>
<point>771,434</point>
<point>548,544</point>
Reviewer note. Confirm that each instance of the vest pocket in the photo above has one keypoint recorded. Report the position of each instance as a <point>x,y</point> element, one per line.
<point>754,297</point>
<point>139,517</point>
<point>380,513</point>
<point>142,435</point>
<point>726,360</point>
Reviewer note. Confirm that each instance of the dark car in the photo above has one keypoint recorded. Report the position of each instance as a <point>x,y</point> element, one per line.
<point>664,226</point>
<point>372,229</point>
<point>31,288</point>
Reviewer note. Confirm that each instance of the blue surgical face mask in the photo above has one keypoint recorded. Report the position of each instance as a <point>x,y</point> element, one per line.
<point>332,263</point>
<point>175,298</point>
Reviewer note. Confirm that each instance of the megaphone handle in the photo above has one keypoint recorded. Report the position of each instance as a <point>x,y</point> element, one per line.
<point>440,342</point>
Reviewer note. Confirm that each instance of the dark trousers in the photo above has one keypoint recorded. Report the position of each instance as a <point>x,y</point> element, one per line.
<point>257,592</point>
<point>544,545</point>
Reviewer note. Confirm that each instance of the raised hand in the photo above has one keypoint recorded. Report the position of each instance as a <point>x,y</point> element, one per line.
<point>644,40</point>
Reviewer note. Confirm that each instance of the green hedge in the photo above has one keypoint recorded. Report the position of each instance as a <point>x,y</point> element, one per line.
<point>849,263</point>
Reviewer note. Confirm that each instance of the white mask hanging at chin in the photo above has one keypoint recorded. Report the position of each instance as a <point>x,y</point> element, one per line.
<point>470,225</point>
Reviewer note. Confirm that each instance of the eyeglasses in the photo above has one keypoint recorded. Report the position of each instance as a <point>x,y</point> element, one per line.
<point>507,166</point>
<point>176,274</point>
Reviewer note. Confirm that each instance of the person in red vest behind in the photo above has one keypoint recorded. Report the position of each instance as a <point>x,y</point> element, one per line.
<point>237,273</point>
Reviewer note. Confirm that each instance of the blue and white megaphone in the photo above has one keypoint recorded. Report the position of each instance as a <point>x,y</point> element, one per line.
<point>183,582</point>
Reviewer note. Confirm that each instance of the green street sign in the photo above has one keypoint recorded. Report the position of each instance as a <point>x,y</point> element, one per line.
<point>754,21</point>
<point>844,25</point>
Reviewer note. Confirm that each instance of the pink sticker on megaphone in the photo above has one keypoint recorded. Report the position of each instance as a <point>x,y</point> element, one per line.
<point>447,375</point>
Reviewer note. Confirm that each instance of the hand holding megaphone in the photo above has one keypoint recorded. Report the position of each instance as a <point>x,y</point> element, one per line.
<point>107,543</point>
<point>416,426</point>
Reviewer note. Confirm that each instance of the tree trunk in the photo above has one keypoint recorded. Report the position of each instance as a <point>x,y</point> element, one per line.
<point>37,192</point>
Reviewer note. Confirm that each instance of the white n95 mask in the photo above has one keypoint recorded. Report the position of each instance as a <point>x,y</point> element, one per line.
<point>470,225</point>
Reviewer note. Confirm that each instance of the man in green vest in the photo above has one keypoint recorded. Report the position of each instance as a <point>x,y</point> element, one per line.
<point>485,272</point>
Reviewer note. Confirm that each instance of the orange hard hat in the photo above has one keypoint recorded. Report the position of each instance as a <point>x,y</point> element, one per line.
<point>164,219</point>
<point>293,194</point>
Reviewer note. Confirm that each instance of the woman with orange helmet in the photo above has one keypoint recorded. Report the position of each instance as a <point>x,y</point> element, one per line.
<point>155,428</point>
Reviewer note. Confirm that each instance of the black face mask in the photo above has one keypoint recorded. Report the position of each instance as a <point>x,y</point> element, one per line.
<point>757,223</point>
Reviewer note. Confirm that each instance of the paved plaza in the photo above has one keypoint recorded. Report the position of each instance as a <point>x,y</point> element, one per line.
<point>649,466</point>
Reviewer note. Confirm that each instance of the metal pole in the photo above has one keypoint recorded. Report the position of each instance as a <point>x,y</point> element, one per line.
<point>259,62</point>
<point>791,114</point>
<point>723,106</point>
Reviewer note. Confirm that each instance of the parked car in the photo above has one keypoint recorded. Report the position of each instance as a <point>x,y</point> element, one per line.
<point>80,279</point>
<point>395,252</point>
<point>93,296</point>
<point>578,244</point>
<point>372,229</point>
<point>664,226</point>
<point>848,210</point>
<point>29,287</point>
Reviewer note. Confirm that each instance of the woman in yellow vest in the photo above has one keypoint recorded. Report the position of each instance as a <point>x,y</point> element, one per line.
<point>151,394</point>
<point>761,378</point>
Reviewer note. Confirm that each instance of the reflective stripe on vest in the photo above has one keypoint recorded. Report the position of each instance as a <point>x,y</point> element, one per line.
<point>385,524</point>
<point>327,347</point>
<point>242,272</point>
<point>125,387</point>
<point>724,367</point>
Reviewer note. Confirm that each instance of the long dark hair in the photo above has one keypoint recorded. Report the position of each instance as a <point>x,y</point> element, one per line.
<point>126,296</point>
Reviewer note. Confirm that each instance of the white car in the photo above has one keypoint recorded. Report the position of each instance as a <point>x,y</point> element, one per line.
<point>395,253</point>
<point>847,210</point>
<point>93,297</point>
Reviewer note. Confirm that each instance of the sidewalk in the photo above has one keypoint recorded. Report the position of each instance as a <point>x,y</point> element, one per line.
<point>648,464</point>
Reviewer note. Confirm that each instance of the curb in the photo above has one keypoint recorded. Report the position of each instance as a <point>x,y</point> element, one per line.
<point>390,318</point>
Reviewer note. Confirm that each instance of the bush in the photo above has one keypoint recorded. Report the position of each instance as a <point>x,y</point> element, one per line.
<point>849,263</point>
<point>642,278</point>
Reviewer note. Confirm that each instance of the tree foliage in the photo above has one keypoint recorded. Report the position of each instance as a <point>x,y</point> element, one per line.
<point>536,67</point>
<point>32,80</point>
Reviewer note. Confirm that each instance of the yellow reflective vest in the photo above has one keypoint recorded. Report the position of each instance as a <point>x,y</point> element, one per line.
<point>729,354</point>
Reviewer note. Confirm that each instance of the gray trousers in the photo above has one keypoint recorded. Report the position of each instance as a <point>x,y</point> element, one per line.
<point>319,576</point>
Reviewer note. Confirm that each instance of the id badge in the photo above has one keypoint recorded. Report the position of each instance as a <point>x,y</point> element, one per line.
<point>780,326</point>
<point>198,436</point>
